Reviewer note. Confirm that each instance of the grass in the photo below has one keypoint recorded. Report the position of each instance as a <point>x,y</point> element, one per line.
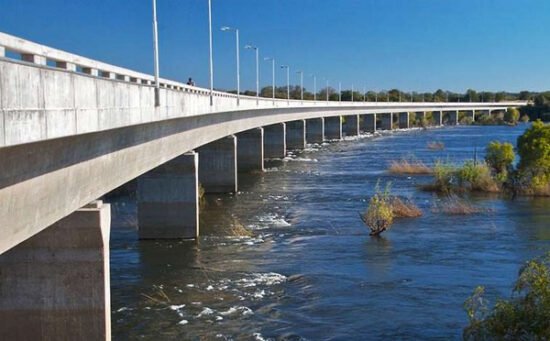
<point>405,166</point>
<point>455,205</point>
<point>435,145</point>
<point>404,208</point>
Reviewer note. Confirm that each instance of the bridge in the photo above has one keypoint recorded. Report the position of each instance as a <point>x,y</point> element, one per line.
<point>72,129</point>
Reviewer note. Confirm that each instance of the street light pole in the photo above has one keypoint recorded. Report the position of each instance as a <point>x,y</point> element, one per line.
<point>301,73</point>
<point>272,75</point>
<point>210,50</point>
<point>327,91</point>
<point>287,81</point>
<point>156,54</point>
<point>314,87</point>
<point>257,50</point>
<point>352,90</point>
<point>339,91</point>
<point>226,28</point>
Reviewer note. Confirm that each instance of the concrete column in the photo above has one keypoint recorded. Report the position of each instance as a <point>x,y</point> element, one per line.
<point>275,141</point>
<point>351,126</point>
<point>437,117</point>
<point>473,115</point>
<point>315,130</point>
<point>369,123</point>
<point>218,165</point>
<point>453,117</point>
<point>333,128</point>
<point>296,134</point>
<point>250,150</point>
<point>168,200</point>
<point>2,51</point>
<point>403,120</point>
<point>386,121</point>
<point>56,285</point>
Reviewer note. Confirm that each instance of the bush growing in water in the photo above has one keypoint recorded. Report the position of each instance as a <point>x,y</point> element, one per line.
<point>476,177</point>
<point>379,215</point>
<point>413,166</point>
<point>445,177</point>
<point>526,316</point>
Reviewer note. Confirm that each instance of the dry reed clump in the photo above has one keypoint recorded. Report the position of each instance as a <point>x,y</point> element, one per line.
<point>436,145</point>
<point>405,166</point>
<point>404,209</point>
<point>237,229</point>
<point>454,205</point>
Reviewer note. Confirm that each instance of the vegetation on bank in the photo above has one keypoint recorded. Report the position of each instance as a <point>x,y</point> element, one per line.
<point>497,172</point>
<point>525,316</point>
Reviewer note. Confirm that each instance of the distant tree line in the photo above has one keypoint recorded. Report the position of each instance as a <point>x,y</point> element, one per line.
<point>538,108</point>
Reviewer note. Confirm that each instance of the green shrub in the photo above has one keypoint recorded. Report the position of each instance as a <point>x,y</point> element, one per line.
<point>524,118</point>
<point>500,156</point>
<point>379,215</point>
<point>445,176</point>
<point>525,316</point>
<point>476,177</point>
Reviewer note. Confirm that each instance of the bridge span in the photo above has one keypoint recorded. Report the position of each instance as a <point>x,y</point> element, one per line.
<point>72,129</point>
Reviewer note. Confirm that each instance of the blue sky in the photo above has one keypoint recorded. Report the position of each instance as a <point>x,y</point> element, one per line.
<point>414,45</point>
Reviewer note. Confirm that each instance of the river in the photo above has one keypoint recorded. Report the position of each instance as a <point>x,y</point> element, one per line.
<point>309,271</point>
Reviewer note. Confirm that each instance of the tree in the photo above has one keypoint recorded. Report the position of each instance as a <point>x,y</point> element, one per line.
<point>534,152</point>
<point>526,316</point>
<point>511,115</point>
<point>500,157</point>
<point>439,96</point>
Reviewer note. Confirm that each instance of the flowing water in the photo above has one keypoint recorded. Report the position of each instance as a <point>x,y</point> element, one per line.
<point>309,271</point>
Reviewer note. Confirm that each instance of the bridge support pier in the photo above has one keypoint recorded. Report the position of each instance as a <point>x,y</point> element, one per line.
<point>275,141</point>
<point>56,284</point>
<point>437,117</point>
<point>315,130</point>
<point>369,123</point>
<point>453,118</point>
<point>351,126</point>
<point>386,121</point>
<point>333,128</point>
<point>250,150</point>
<point>218,165</point>
<point>296,134</point>
<point>403,120</point>
<point>168,200</point>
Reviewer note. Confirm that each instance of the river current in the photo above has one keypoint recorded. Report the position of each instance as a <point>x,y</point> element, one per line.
<point>309,270</point>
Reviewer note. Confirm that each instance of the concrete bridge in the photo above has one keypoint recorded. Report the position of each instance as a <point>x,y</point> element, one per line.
<point>73,129</point>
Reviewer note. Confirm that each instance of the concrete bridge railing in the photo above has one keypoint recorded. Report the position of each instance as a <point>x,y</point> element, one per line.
<point>48,93</point>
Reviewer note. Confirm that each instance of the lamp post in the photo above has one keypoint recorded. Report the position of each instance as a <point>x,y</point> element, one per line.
<point>301,73</point>
<point>327,91</point>
<point>272,75</point>
<point>339,91</point>
<point>257,50</point>
<point>156,54</point>
<point>287,81</point>
<point>364,94</point>
<point>352,90</point>
<point>210,50</point>
<point>314,87</point>
<point>226,28</point>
